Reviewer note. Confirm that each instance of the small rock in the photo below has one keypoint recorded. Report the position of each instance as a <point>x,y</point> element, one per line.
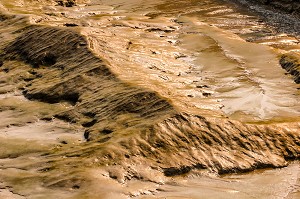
<point>68,3</point>
<point>76,187</point>
<point>206,94</point>
<point>106,131</point>
<point>86,135</point>
<point>202,86</point>
<point>64,142</point>
<point>49,59</point>
<point>70,25</point>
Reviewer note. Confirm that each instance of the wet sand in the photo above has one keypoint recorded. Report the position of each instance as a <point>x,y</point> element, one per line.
<point>191,57</point>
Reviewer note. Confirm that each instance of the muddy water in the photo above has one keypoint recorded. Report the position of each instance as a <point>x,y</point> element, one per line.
<point>192,52</point>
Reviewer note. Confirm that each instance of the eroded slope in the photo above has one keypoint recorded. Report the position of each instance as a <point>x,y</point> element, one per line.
<point>131,121</point>
<point>127,128</point>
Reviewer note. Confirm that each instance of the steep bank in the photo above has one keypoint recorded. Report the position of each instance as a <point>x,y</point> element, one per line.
<point>291,63</point>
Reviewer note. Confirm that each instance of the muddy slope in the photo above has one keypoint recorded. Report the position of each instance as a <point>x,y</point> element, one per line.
<point>66,71</point>
<point>126,125</point>
<point>283,16</point>
<point>291,63</point>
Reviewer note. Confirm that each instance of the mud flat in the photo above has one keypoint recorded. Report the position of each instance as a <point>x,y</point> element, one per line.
<point>122,102</point>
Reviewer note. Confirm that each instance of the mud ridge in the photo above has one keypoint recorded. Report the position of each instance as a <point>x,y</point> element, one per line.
<point>291,63</point>
<point>70,72</point>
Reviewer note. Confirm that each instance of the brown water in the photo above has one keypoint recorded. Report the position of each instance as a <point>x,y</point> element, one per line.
<point>193,53</point>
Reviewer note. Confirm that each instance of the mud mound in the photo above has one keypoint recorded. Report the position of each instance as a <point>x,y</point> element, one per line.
<point>66,71</point>
<point>185,142</point>
<point>127,125</point>
<point>291,63</point>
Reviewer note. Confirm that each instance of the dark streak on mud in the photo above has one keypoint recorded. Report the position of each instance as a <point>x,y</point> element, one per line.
<point>291,63</point>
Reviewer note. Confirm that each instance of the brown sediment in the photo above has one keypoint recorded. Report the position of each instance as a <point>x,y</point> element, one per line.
<point>127,128</point>
<point>125,123</point>
<point>291,63</point>
<point>70,72</point>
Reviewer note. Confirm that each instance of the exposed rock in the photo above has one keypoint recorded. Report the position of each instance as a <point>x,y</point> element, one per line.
<point>131,133</point>
<point>66,3</point>
<point>70,25</point>
<point>290,6</point>
<point>85,80</point>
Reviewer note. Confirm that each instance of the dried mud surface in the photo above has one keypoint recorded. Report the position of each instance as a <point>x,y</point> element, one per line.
<point>90,117</point>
